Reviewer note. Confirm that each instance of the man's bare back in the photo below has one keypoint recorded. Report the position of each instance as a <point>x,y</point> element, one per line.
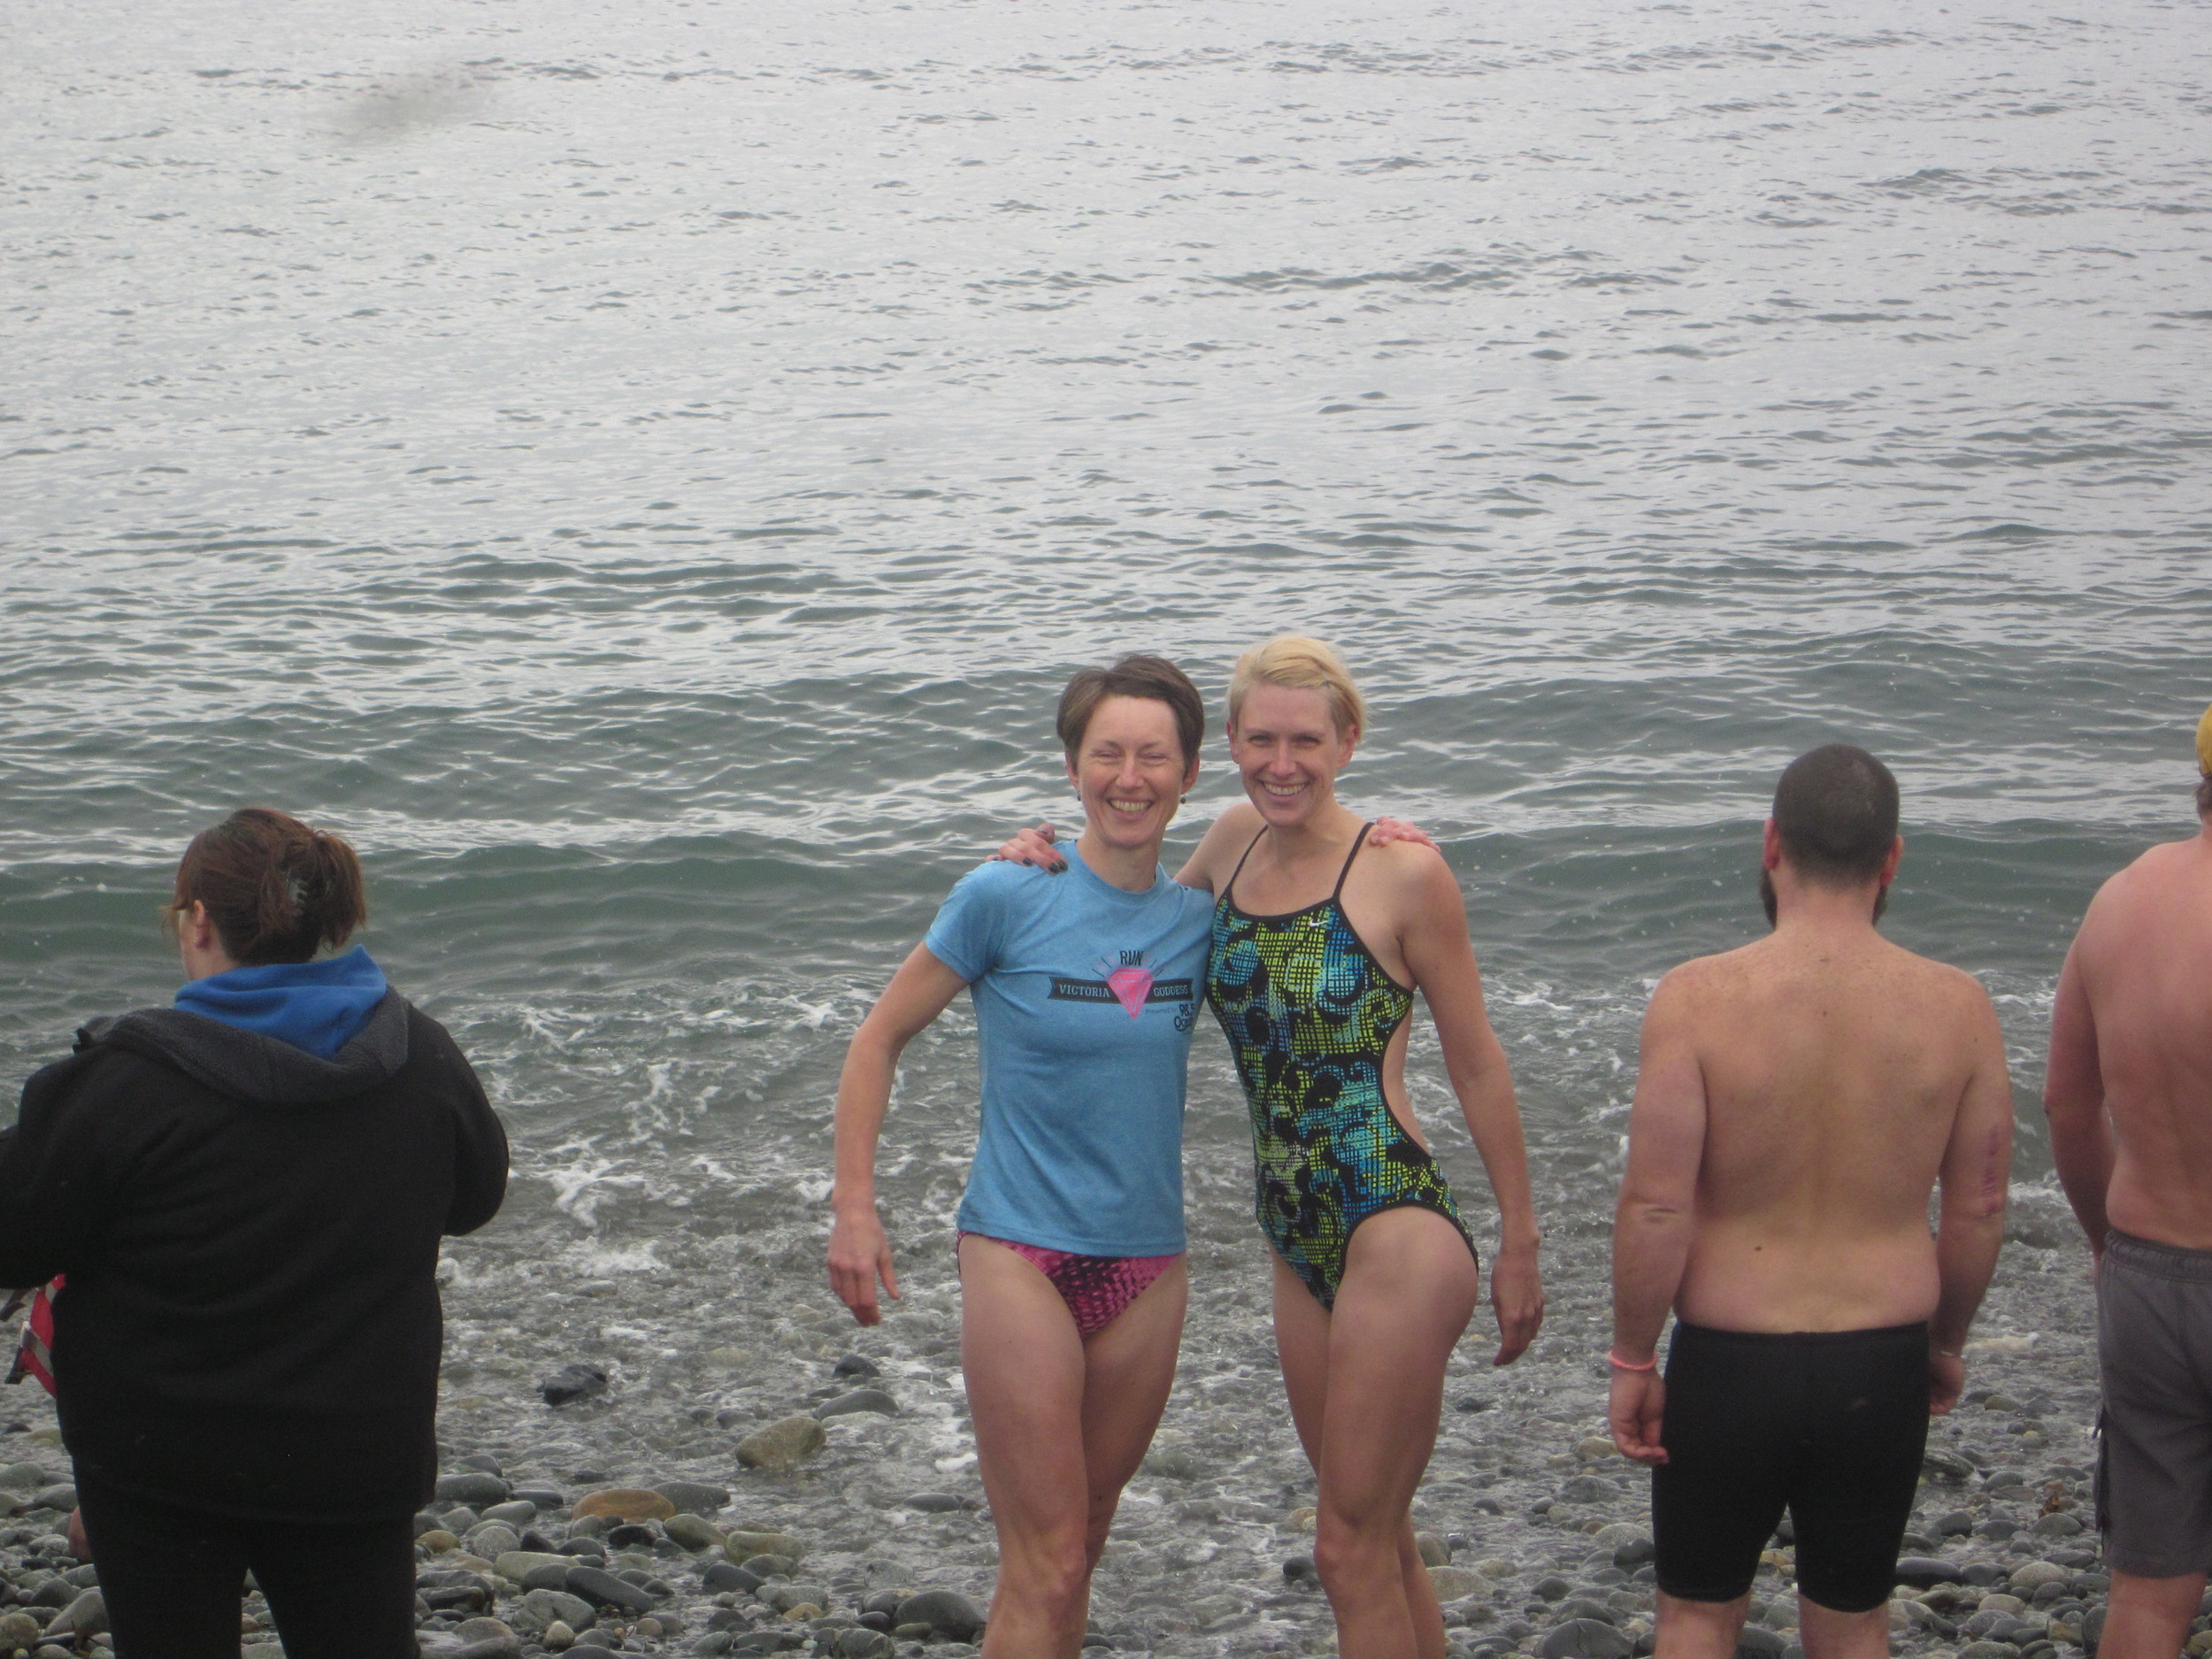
<point>2131,1044</point>
<point>1842,1075</point>
<point>2129,1095</point>
<point>1797,1102</point>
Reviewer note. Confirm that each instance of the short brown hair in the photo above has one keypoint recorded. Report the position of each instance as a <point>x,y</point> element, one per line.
<point>276,889</point>
<point>1836,812</point>
<point>1139,674</point>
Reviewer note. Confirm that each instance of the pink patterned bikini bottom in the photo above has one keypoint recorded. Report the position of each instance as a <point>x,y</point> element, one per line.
<point>1097,1288</point>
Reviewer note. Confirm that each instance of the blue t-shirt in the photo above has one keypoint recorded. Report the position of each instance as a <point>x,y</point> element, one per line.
<point>1085,997</point>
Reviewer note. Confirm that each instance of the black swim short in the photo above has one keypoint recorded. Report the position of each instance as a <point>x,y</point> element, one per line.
<point>1830,1424</point>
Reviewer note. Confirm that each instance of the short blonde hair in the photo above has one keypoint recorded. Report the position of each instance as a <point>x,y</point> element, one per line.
<point>1299,663</point>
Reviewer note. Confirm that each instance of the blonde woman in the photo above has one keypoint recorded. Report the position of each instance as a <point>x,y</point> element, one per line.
<point>1321,939</point>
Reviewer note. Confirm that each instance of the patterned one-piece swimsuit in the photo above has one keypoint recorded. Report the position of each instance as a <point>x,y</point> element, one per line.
<point>1309,1013</point>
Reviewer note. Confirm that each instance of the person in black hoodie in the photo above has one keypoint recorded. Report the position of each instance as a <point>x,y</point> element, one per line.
<point>246,1192</point>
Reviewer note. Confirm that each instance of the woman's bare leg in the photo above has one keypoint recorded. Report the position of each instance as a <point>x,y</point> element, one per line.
<point>1128,1369</point>
<point>1060,1426</point>
<point>1366,1383</point>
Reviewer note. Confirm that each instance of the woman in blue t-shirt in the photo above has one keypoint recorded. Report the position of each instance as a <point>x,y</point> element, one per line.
<point>1071,1246</point>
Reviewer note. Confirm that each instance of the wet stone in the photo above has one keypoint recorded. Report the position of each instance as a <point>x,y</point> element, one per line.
<point>85,1618</point>
<point>860,1400</point>
<point>746,1543</point>
<point>471,1486</point>
<point>625,1503</point>
<point>782,1445</point>
<point>783,1598</point>
<point>693,1497</point>
<point>692,1532</point>
<point>492,1540</point>
<point>571,1383</point>
<point>935,1502</point>
<point>604,1589</point>
<point>516,1564</point>
<point>855,1365</point>
<point>1585,1638</point>
<point>946,1612</point>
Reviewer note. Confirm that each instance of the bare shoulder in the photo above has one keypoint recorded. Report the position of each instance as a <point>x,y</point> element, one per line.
<point>1222,845</point>
<point>1950,992</point>
<point>2169,868</point>
<point>1411,866</point>
<point>1239,817</point>
<point>1689,986</point>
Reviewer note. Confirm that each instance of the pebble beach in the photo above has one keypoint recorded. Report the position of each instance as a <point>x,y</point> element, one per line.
<point>784,1482</point>
<point>644,474</point>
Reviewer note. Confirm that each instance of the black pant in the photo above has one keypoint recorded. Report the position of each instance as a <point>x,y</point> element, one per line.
<point>173,1578</point>
<point>1830,1424</point>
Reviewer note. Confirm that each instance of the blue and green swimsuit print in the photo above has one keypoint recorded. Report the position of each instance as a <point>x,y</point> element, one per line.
<point>1310,1013</point>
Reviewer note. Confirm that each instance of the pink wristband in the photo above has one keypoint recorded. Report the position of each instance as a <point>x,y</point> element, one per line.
<point>1618,1363</point>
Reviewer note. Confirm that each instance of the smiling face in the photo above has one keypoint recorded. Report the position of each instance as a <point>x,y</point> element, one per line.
<point>1288,750</point>
<point>1130,772</point>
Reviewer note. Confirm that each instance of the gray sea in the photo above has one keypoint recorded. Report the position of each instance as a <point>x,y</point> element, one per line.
<point>644,472</point>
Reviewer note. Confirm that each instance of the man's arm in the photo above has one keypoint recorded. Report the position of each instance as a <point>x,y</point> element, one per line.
<point>1970,1216</point>
<point>1656,1214</point>
<point>2073,1101</point>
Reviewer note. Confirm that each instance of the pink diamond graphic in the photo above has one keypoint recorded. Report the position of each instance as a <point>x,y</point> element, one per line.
<point>1129,986</point>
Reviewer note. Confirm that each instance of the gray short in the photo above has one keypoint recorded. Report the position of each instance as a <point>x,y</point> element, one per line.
<point>2155,1461</point>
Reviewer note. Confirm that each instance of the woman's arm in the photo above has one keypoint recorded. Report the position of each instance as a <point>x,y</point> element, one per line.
<point>859,1249</point>
<point>58,1168</point>
<point>480,1141</point>
<point>1432,936</point>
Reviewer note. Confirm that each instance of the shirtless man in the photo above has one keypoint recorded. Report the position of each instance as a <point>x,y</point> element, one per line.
<point>2128,1095</point>
<point>1797,1102</point>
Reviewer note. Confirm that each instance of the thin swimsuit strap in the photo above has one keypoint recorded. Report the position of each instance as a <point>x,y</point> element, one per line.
<point>1358,842</point>
<point>1228,891</point>
<point>1336,893</point>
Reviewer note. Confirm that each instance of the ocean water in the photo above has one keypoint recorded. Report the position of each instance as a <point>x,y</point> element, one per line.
<point>643,473</point>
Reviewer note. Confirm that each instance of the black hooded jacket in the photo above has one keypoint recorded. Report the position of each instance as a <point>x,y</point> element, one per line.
<point>251,1324</point>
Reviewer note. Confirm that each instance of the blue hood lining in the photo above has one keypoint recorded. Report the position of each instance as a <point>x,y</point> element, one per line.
<point>318,1006</point>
